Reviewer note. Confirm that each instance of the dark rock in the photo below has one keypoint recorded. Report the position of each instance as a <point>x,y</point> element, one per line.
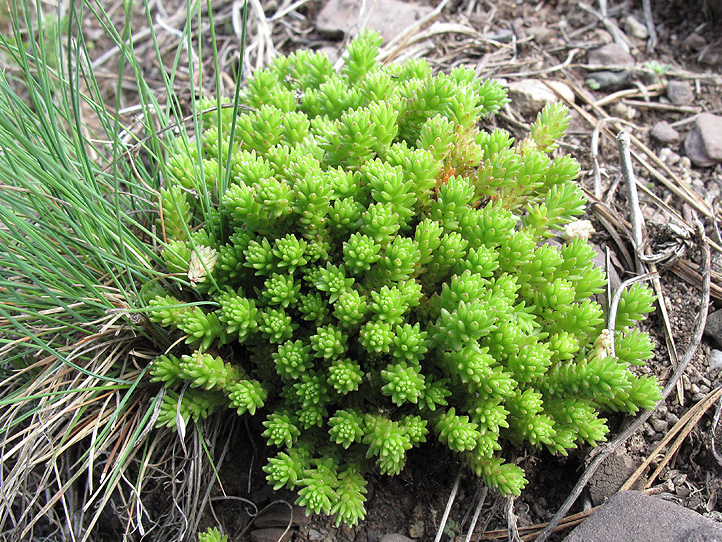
<point>417,530</point>
<point>635,28</point>
<point>713,326</point>
<point>314,535</point>
<point>664,133</point>
<point>271,535</point>
<point>609,80</point>
<point>660,426</point>
<point>703,143</point>
<point>279,515</point>
<point>389,17</point>
<point>634,516</point>
<point>680,92</point>
<point>615,58</point>
<point>607,480</point>
<point>611,55</point>
<point>694,42</point>
<point>394,537</point>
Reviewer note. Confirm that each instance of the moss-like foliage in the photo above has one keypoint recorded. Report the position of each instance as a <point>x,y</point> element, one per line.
<point>373,272</point>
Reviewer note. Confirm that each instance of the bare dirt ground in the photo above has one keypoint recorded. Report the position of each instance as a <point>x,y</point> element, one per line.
<point>516,41</point>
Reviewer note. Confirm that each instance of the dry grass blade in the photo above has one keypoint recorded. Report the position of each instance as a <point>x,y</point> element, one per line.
<point>666,177</point>
<point>396,45</point>
<point>690,273</point>
<point>447,510</point>
<point>680,430</point>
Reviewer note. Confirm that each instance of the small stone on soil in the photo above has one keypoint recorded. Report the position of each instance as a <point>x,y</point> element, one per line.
<point>703,144</point>
<point>271,535</point>
<point>278,515</point>
<point>613,472</point>
<point>664,133</point>
<point>660,426</point>
<point>668,156</point>
<point>680,92</point>
<point>715,360</point>
<point>417,530</point>
<point>394,537</point>
<point>694,42</point>
<point>635,28</point>
<point>530,96</point>
<point>713,327</point>
<point>315,535</point>
<point>388,17</point>
<point>611,55</point>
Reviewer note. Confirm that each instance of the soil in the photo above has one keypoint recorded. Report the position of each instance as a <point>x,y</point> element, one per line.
<point>514,40</point>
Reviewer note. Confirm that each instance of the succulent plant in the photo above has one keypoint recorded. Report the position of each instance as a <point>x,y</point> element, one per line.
<point>365,268</point>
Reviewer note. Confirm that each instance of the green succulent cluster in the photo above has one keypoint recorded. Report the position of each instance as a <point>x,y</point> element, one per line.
<point>368,269</point>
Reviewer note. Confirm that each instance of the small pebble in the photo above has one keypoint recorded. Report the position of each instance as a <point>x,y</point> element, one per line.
<point>417,530</point>
<point>682,491</point>
<point>703,144</point>
<point>680,92</point>
<point>395,537</point>
<point>624,111</point>
<point>635,28</point>
<point>271,535</point>
<point>668,156</point>
<point>660,426</point>
<point>664,133</point>
<point>612,55</point>
<point>693,42</point>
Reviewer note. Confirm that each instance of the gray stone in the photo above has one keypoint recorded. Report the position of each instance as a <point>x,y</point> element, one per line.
<point>609,80</point>
<point>271,535</point>
<point>613,472</point>
<point>394,537</point>
<point>635,516</point>
<point>611,55</point>
<point>529,96</point>
<point>713,326</point>
<point>635,28</point>
<point>279,515</point>
<point>417,530</point>
<point>315,535</point>
<point>388,17</point>
<point>715,360</point>
<point>703,534</point>
<point>664,133</point>
<point>694,42</point>
<point>660,426</point>
<point>668,156</point>
<point>703,143</point>
<point>680,92</point>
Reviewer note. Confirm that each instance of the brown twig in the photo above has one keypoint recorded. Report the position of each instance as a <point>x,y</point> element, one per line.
<point>682,427</point>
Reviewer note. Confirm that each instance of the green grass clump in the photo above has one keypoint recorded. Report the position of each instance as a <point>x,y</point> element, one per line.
<point>354,260</point>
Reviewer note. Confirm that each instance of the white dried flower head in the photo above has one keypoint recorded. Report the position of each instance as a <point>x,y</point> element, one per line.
<point>578,229</point>
<point>203,261</point>
<point>603,345</point>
